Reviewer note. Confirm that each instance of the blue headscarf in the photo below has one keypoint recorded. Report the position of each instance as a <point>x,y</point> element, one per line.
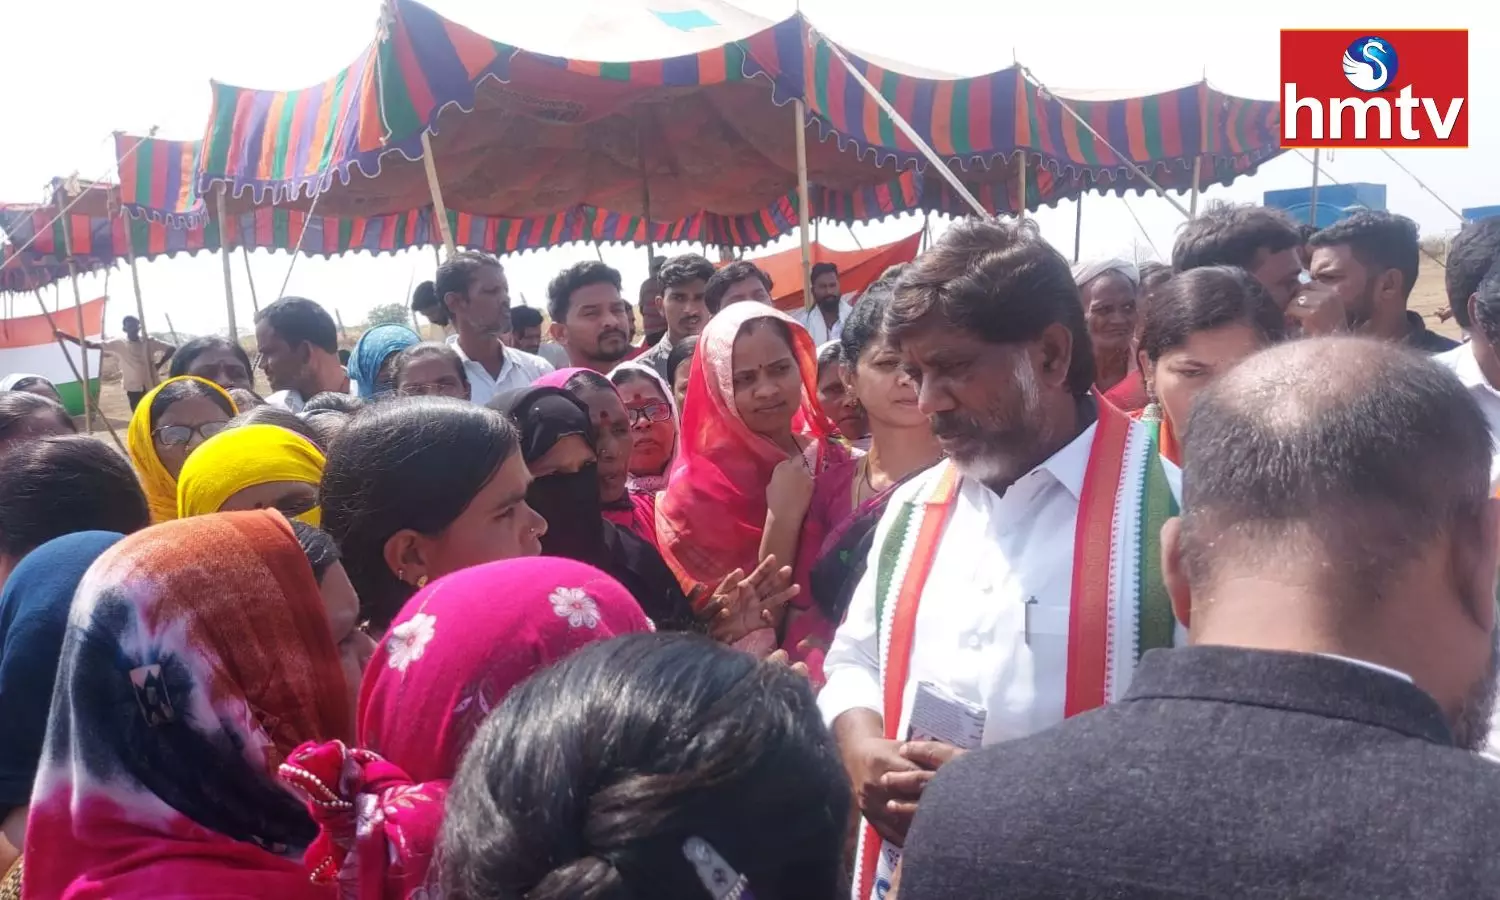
<point>371,351</point>
<point>33,619</point>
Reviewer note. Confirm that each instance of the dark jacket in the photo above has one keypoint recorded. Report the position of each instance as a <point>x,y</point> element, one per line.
<point>1224,773</point>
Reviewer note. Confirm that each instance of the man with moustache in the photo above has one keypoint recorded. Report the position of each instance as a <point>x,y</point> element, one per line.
<point>1018,577</point>
<point>1335,562</point>
<point>824,319</point>
<point>683,301</point>
<point>590,317</point>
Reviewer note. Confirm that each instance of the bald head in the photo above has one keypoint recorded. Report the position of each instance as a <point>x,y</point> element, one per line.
<point>1348,455</point>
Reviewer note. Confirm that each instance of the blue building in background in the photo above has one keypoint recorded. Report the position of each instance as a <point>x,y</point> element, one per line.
<point>1475,213</point>
<point>1335,201</point>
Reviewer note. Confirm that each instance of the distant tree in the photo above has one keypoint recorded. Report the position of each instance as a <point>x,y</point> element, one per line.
<point>388,314</point>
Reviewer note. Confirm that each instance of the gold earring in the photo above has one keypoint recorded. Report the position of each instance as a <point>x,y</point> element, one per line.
<point>422,582</point>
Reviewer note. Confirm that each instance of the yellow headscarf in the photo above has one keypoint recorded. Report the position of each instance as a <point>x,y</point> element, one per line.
<point>160,486</point>
<point>239,458</point>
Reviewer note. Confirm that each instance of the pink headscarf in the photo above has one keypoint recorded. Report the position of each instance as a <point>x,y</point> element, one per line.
<point>458,647</point>
<point>559,377</point>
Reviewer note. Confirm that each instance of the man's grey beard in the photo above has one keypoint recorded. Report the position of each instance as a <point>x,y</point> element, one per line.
<point>1471,726</point>
<point>1000,468</point>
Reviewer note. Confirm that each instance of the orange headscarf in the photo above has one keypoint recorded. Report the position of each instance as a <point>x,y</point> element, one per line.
<point>710,517</point>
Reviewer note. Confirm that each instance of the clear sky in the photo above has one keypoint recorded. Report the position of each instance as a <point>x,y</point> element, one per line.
<point>76,70</point>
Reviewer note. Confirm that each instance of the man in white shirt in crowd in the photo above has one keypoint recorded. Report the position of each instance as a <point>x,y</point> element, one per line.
<point>298,345</point>
<point>1474,254</point>
<point>740,281</point>
<point>1017,577</point>
<point>590,317</point>
<point>472,294</point>
<point>824,319</point>
<point>683,301</point>
<point>137,357</point>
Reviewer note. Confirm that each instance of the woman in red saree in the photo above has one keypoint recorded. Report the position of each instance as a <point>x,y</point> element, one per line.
<point>753,438</point>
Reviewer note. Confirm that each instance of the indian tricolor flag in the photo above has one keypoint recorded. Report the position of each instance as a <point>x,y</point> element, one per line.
<point>28,346</point>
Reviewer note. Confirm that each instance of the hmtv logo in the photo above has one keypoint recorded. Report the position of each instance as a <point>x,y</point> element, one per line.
<point>1374,88</point>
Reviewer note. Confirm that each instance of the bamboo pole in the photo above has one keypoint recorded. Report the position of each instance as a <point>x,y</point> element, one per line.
<point>645,201</point>
<point>804,206</point>
<point>1078,228</point>
<point>1313,200</point>
<point>140,314</point>
<point>1197,179</point>
<point>234,331</point>
<point>906,129</point>
<point>83,335</point>
<point>437,194</point>
<point>250,277</point>
<point>343,332</point>
<point>173,328</point>
<point>74,367</point>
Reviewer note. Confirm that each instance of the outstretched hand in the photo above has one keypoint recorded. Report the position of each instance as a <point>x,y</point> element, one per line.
<point>741,605</point>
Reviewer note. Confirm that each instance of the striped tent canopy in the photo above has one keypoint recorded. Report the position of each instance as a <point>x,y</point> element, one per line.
<point>683,107</point>
<point>38,228</point>
<point>168,216</point>
<point>22,273</point>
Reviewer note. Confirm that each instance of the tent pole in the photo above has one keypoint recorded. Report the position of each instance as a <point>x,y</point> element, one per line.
<point>1078,228</point>
<point>640,155</point>
<point>437,194</point>
<point>71,365</point>
<point>804,207</point>
<point>906,129</point>
<point>234,331</point>
<point>1135,169</point>
<point>83,335</point>
<point>250,277</point>
<point>1197,179</point>
<point>1313,200</point>
<point>140,313</point>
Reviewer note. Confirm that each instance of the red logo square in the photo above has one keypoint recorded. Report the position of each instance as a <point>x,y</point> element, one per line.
<point>1375,88</point>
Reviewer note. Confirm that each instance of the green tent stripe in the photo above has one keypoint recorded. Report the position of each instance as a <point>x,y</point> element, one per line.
<point>888,82</point>
<point>1086,146</point>
<point>1151,117</point>
<point>395,101</point>
<point>281,229</point>
<point>614,71</point>
<point>734,62</point>
<point>822,60</point>
<point>281,151</point>
<point>222,130</point>
<point>960,117</point>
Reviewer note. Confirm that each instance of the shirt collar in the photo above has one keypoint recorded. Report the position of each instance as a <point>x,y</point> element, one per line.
<point>1069,464</point>
<point>1461,360</point>
<point>459,349</point>
<point>1376,667</point>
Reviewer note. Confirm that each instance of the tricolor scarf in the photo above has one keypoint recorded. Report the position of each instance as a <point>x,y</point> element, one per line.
<point>1119,606</point>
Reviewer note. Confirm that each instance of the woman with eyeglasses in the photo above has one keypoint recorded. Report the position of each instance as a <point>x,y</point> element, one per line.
<point>652,412</point>
<point>169,424</point>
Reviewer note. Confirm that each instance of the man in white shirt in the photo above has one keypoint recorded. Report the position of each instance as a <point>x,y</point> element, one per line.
<point>298,346</point>
<point>1019,577</point>
<point>1472,256</point>
<point>824,318</point>
<point>472,294</point>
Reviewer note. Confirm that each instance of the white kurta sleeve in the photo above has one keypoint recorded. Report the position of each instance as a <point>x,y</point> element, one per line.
<point>852,665</point>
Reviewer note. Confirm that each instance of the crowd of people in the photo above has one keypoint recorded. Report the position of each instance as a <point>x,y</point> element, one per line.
<point>1001,577</point>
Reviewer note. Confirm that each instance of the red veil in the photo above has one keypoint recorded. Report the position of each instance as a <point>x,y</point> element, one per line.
<point>710,517</point>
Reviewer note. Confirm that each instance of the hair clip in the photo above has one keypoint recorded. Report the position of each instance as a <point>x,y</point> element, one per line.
<point>151,695</point>
<point>722,881</point>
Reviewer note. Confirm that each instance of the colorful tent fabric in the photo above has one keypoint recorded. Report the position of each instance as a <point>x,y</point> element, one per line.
<point>703,127</point>
<point>858,269</point>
